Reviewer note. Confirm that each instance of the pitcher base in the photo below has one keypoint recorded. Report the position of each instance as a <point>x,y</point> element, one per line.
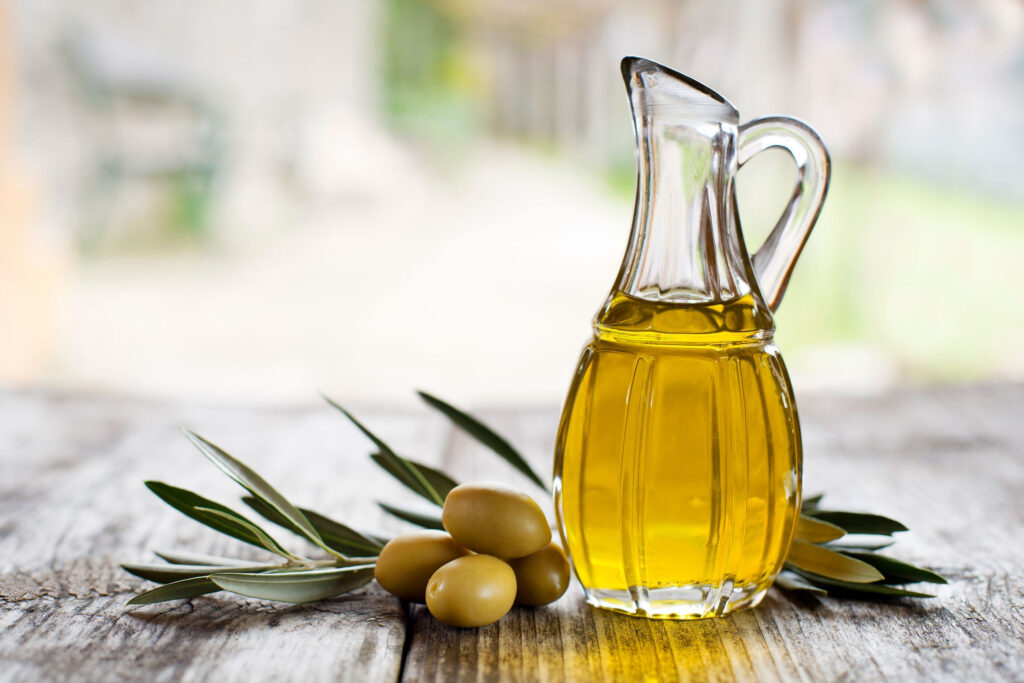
<point>678,602</point>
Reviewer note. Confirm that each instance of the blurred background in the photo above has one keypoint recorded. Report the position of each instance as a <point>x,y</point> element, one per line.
<point>253,201</point>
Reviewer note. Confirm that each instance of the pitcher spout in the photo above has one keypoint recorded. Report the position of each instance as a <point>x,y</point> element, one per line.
<point>654,88</point>
<point>685,247</point>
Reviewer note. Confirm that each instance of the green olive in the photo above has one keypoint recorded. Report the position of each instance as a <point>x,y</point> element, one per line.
<point>496,520</point>
<point>541,577</point>
<point>471,591</point>
<point>409,560</point>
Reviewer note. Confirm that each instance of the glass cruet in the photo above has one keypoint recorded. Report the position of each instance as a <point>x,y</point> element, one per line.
<point>678,457</point>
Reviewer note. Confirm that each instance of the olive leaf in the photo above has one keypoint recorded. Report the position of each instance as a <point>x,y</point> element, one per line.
<point>188,557</point>
<point>815,563</point>
<point>227,522</point>
<point>836,587</point>
<point>257,486</point>
<point>485,435</point>
<point>383,540</point>
<point>441,483</point>
<point>819,560</point>
<point>816,530</point>
<point>265,539</point>
<point>344,539</point>
<point>400,468</point>
<point>865,547</point>
<point>418,518</point>
<point>896,571</point>
<point>859,522</point>
<point>186,588</point>
<point>296,586</point>
<point>168,573</point>
<point>794,582</point>
<point>339,533</point>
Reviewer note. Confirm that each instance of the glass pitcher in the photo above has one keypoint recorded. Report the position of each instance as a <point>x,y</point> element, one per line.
<point>678,457</point>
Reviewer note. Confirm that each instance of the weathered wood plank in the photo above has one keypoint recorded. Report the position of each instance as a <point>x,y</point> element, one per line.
<point>949,463</point>
<point>72,506</point>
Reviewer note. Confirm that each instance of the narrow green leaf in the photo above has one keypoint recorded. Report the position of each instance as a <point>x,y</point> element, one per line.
<point>485,435</point>
<point>168,573</point>
<point>816,530</point>
<point>812,501</point>
<point>264,538</point>
<point>418,518</point>
<point>817,559</point>
<point>439,482</point>
<point>370,435</point>
<point>257,486</point>
<point>269,513</point>
<point>896,571</point>
<point>383,540</point>
<point>397,466</point>
<point>298,586</point>
<point>188,557</point>
<point>229,522</point>
<point>866,590</point>
<point>400,470</point>
<point>186,588</point>
<point>859,522</point>
<point>792,581</point>
<point>342,538</point>
<point>868,547</point>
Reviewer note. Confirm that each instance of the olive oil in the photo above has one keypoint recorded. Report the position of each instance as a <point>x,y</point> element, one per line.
<point>678,458</point>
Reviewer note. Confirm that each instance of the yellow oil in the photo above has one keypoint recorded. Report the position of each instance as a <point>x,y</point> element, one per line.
<point>678,459</point>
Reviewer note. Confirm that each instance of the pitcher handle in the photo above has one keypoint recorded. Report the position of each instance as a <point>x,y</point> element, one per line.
<point>773,262</point>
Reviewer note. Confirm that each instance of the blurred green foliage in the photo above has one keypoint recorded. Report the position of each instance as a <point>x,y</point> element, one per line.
<point>429,87</point>
<point>928,274</point>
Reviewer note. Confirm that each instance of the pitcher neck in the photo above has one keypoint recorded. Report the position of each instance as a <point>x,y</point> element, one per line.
<point>686,246</point>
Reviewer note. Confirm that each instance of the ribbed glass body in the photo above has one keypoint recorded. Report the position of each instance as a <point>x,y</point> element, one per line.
<point>678,463</point>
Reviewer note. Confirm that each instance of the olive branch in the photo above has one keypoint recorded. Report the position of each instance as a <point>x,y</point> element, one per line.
<point>834,552</point>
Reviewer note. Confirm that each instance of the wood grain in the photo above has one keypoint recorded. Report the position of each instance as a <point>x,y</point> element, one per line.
<point>949,463</point>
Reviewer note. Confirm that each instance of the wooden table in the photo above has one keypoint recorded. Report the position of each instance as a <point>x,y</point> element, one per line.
<point>948,462</point>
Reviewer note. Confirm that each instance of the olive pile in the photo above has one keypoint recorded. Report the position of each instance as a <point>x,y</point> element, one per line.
<point>498,551</point>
